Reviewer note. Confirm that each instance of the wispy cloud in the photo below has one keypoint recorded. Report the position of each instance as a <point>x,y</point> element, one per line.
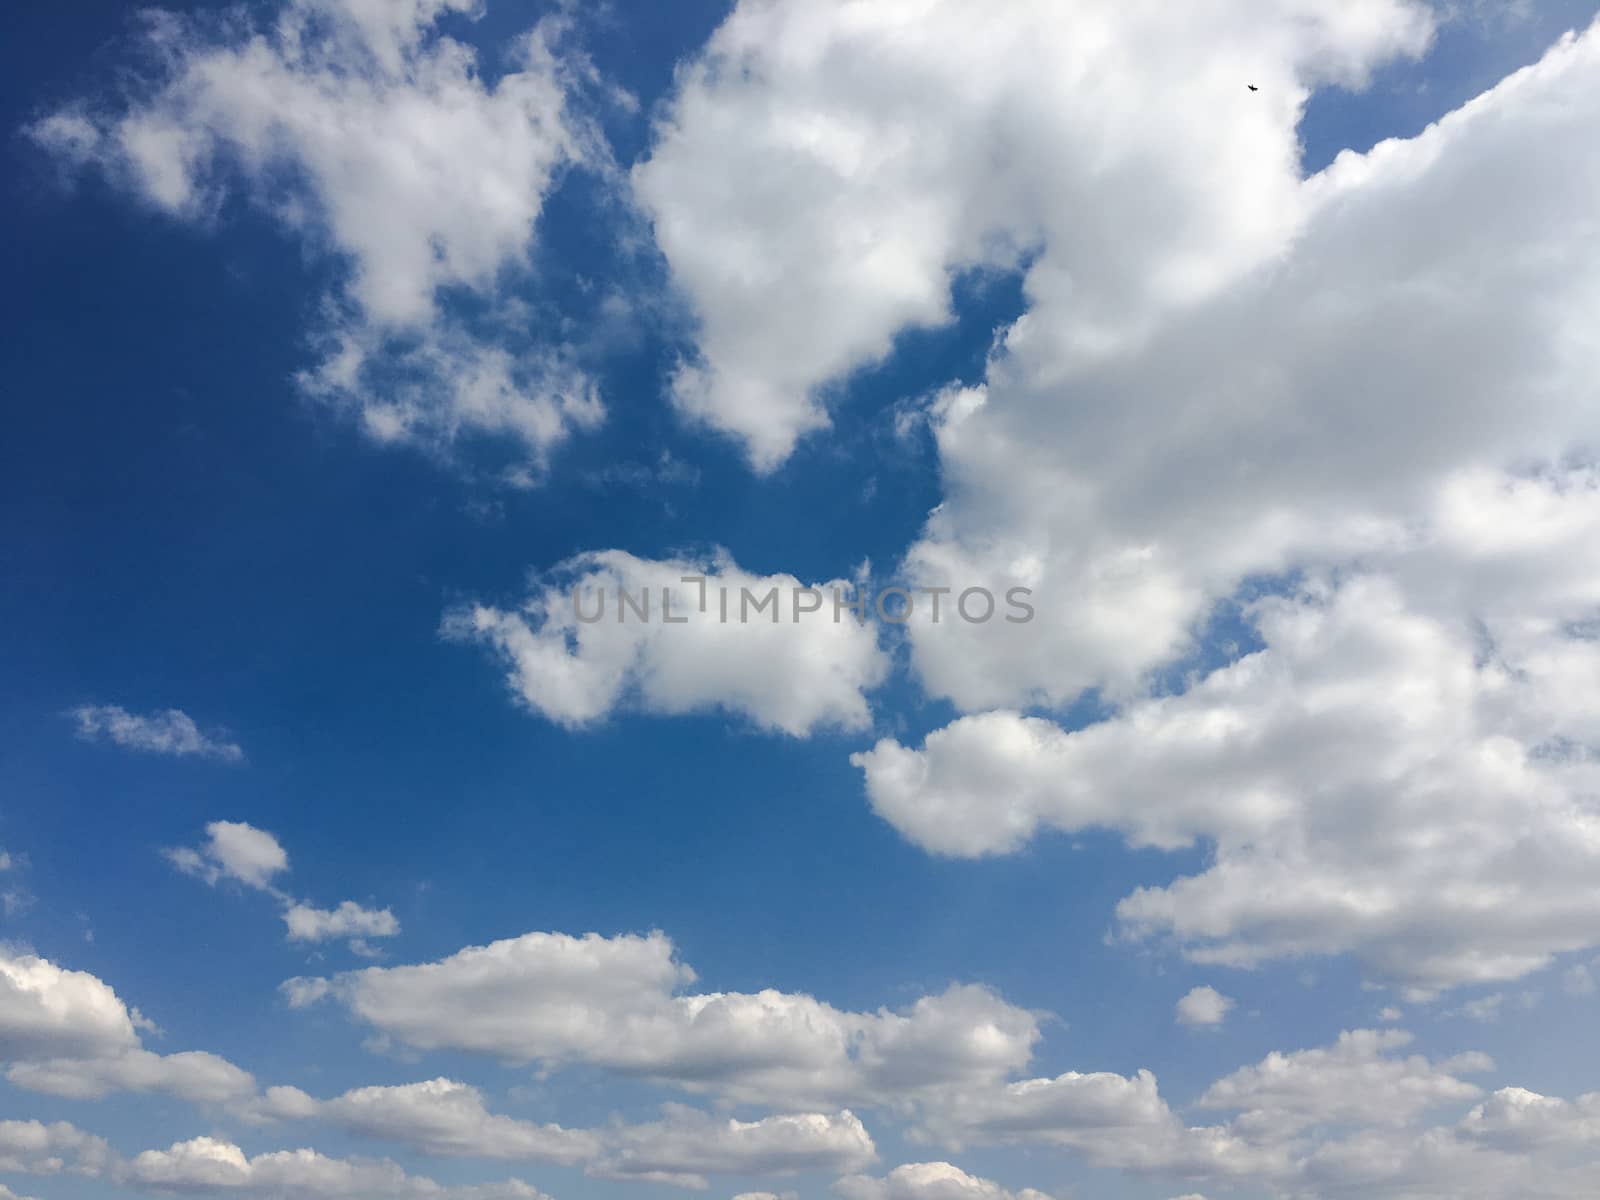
<point>170,731</point>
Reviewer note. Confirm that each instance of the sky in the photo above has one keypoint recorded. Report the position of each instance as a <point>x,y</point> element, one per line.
<point>356,347</point>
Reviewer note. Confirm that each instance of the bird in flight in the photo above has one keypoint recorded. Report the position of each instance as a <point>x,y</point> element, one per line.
<point>1252,87</point>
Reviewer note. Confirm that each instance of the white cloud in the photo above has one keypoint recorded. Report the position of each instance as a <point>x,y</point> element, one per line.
<point>239,851</point>
<point>1203,1006</point>
<point>193,1075</point>
<point>737,641</point>
<point>1317,409</point>
<point>368,132</point>
<point>307,924</point>
<point>929,1181</point>
<point>68,1033</point>
<point>442,1117</point>
<point>1112,1120</point>
<point>171,731</point>
<point>1327,770</point>
<point>34,1148</point>
<point>1356,1081</point>
<point>49,1012</point>
<point>617,1003</point>
<point>213,1166</point>
<point>1516,1119</point>
<point>826,167</point>
<point>210,1165</point>
<point>689,1145</point>
<point>234,850</point>
<point>1368,387</point>
<point>449,1118</point>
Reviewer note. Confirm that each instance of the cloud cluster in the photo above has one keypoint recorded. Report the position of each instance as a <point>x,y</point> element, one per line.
<point>371,134</point>
<point>238,851</point>
<point>619,1003</point>
<point>928,1181</point>
<point>825,168</point>
<point>1372,781</point>
<point>609,630</point>
<point>69,1034</point>
<point>212,1166</point>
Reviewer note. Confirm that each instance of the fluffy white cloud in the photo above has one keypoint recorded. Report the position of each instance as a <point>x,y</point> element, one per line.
<point>48,1012</point>
<point>368,132</point>
<point>1355,1081</point>
<point>69,1034</point>
<point>449,1118</point>
<point>234,850</point>
<point>239,851</point>
<point>617,1003</point>
<point>307,924</point>
<point>1516,1119</point>
<point>171,731</point>
<point>1113,1121</point>
<point>1325,405</point>
<point>1370,385</point>
<point>929,1181</point>
<point>1203,1006</point>
<point>600,635</point>
<point>826,167</point>
<point>438,1116</point>
<point>212,1166</point>
<point>192,1075</point>
<point>34,1148</point>
<point>689,1145</point>
<point>1328,771</point>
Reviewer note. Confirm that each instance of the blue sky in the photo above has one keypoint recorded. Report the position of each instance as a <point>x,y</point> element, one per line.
<point>189,525</point>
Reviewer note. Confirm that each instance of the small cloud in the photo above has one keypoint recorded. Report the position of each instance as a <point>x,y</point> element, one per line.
<point>171,731</point>
<point>349,920</point>
<point>1204,1006</point>
<point>233,850</point>
<point>253,857</point>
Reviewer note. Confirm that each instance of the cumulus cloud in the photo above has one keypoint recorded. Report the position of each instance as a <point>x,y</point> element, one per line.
<point>34,1148</point>
<point>171,731</point>
<point>1326,770</point>
<point>1365,391</point>
<point>1517,1119</point>
<point>234,850</point>
<point>821,175</point>
<point>620,1003</point>
<point>1315,410</point>
<point>449,1118</point>
<point>238,851</point>
<point>1113,1121</point>
<point>689,1145</point>
<point>928,1181</point>
<point>437,1116</point>
<point>1203,1006</point>
<point>213,1166</point>
<point>307,924</point>
<point>49,1012</point>
<point>609,630</point>
<point>370,133</point>
<point>68,1033</point>
<point>1358,1080</point>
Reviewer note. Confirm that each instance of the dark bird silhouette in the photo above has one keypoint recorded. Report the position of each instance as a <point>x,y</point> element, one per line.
<point>1252,87</point>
